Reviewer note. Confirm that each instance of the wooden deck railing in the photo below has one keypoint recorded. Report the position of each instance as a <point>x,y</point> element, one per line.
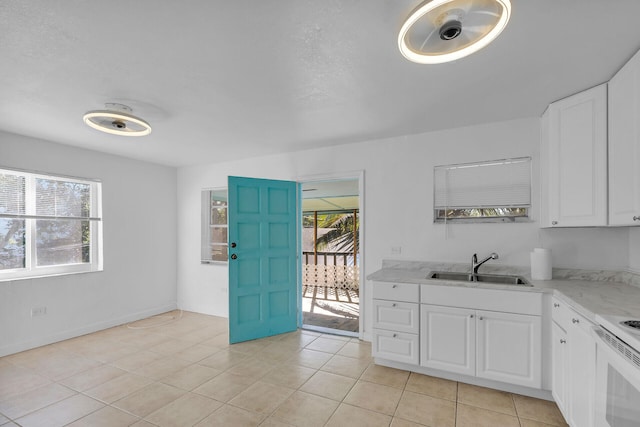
<point>330,269</point>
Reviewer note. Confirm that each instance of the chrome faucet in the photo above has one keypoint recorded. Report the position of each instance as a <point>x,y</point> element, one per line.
<point>475,265</point>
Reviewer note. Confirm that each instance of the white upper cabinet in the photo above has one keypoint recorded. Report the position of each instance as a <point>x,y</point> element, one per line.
<point>624,145</point>
<point>574,161</point>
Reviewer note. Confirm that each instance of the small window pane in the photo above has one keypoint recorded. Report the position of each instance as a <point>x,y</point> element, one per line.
<point>12,193</point>
<point>12,244</point>
<point>214,226</point>
<point>63,198</point>
<point>61,242</point>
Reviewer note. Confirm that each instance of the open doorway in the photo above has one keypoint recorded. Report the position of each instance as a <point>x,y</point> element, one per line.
<point>330,256</point>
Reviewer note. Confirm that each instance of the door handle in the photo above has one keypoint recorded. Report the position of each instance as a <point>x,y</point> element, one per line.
<point>234,256</point>
<point>233,244</point>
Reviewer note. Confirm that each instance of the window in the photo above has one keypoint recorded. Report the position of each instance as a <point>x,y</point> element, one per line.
<point>48,225</point>
<point>214,226</point>
<point>493,191</point>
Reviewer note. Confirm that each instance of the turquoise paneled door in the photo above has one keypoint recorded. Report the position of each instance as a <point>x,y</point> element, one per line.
<point>263,274</point>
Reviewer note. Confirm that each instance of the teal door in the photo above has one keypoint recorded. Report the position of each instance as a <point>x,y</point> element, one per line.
<point>263,274</point>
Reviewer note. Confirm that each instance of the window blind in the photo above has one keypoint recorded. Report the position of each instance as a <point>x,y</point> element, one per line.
<point>499,183</point>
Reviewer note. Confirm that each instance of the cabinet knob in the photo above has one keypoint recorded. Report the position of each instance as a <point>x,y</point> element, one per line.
<point>394,304</point>
<point>481,318</point>
<point>554,222</point>
<point>563,341</point>
<point>556,305</point>
<point>471,316</point>
<point>394,286</point>
<point>395,335</point>
<point>636,218</point>
<point>575,320</point>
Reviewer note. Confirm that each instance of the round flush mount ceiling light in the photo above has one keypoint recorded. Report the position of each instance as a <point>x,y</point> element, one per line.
<point>117,119</point>
<point>440,31</point>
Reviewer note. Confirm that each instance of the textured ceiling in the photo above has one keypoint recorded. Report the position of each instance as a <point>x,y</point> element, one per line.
<point>223,80</point>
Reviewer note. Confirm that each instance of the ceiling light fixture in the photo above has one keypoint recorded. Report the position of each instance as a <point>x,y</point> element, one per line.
<point>117,119</point>
<point>440,31</point>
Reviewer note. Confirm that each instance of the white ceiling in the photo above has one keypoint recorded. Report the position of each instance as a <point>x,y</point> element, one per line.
<point>223,80</point>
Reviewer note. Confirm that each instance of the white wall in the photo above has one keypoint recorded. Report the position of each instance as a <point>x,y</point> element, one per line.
<point>139,224</point>
<point>398,207</point>
<point>634,249</point>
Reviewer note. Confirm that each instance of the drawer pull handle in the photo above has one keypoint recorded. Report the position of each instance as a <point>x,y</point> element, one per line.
<point>395,335</point>
<point>636,218</point>
<point>481,318</point>
<point>556,305</point>
<point>394,286</point>
<point>563,341</point>
<point>554,222</point>
<point>575,320</point>
<point>394,304</point>
<point>471,316</point>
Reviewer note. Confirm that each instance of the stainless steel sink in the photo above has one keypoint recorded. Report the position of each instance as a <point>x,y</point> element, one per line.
<point>486,278</point>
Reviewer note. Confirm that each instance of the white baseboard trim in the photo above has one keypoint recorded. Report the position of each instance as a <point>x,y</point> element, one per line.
<point>83,330</point>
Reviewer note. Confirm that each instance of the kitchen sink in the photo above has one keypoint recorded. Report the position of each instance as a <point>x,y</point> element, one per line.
<point>486,278</point>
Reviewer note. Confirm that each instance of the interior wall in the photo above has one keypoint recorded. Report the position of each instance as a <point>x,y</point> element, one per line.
<point>634,249</point>
<point>398,181</point>
<point>139,228</point>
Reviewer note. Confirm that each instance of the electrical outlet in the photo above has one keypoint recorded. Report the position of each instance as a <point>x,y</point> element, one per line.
<point>38,311</point>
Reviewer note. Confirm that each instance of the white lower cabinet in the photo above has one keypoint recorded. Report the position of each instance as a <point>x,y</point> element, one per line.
<point>493,345</point>
<point>574,364</point>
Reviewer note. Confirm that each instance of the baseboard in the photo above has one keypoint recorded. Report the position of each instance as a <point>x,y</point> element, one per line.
<point>87,329</point>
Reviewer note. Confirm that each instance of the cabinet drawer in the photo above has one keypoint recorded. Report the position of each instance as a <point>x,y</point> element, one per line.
<point>396,316</point>
<point>561,313</point>
<point>409,292</point>
<point>396,346</point>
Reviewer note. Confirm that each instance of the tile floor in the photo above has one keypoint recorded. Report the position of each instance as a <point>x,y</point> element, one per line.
<point>178,370</point>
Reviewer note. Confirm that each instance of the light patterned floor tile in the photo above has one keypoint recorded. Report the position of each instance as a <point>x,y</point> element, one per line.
<point>347,366</point>
<point>359,350</point>
<point>118,388</point>
<point>352,416</point>
<point>225,386</point>
<point>471,416</point>
<point>33,400</point>
<point>374,397</point>
<point>292,376</point>
<point>538,410</point>
<point>187,410</point>
<point>92,377</point>
<point>303,409</point>
<point>106,417</point>
<point>329,385</point>
<point>229,415</point>
<point>387,376</point>
<point>149,399</point>
<point>262,397</point>
<point>310,358</point>
<point>61,413</point>
<point>191,377</point>
<point>326,345</point>
<point>432,386</point>
<point>426,410</point>
<point>493,400</point>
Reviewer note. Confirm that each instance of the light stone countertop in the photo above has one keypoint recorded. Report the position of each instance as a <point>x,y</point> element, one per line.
<point>588,292</point>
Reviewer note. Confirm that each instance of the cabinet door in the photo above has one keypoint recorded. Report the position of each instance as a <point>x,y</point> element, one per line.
<point>581,369</point>
<point>624,145</point>
<point>508,348</point>
<point>559,367</point>
<point>395,316</point>
<point>575,149</point>
<point>447,339</point>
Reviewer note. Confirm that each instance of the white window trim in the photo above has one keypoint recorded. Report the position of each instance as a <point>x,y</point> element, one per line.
<point>31,270</point>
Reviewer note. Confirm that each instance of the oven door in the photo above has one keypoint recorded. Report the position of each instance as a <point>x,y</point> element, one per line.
<point>617,389</point>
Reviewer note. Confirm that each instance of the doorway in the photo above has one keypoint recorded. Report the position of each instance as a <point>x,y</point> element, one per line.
<point>331,256</point>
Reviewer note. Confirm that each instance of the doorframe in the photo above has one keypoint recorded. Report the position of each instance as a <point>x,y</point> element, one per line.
<point>337,176</point>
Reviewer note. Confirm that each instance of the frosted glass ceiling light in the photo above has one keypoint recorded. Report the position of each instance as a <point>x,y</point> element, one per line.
<point>440,31</point>
<point>118,120</point>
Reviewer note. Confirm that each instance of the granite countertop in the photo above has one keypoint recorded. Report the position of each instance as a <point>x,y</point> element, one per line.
<point>589,292</point>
